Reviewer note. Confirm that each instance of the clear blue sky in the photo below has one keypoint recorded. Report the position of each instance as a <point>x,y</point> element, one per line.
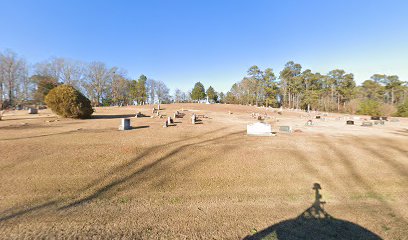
<point>215,42</point>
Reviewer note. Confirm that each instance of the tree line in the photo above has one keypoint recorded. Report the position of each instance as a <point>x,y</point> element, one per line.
<point>22,84</point>
<point>335,91</point>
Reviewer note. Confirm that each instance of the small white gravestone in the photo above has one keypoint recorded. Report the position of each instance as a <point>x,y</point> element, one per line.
<point>32,111</point>
<point>125,124</point>
<point>207,102</point>
<point>259,129</point>
<point>193,119</point>
<point>170,120</point>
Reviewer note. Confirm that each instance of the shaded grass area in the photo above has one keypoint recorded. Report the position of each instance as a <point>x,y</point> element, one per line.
<point>148,165</point>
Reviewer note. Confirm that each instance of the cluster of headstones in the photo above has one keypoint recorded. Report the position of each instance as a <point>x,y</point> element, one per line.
<point>259,116</point>
<point>375,121</point>
<point>156,113</point>
<point>170,120</point>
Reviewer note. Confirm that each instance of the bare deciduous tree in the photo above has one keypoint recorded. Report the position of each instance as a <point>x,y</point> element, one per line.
<point>64,70</point>
<point>97,80</point>
<point>13,74</point>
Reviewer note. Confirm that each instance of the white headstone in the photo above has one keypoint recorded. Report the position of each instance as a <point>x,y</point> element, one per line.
<point>207,102</point>
<point>259,129</point>
<point>193,119</point>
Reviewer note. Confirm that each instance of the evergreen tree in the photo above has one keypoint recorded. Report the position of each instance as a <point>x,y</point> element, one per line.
<point>198,92</point>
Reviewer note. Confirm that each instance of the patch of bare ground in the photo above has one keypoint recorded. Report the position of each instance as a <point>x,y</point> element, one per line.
<point>64,178</point>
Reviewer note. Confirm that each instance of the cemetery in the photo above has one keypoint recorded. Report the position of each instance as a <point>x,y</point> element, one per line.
<point>217,171</point>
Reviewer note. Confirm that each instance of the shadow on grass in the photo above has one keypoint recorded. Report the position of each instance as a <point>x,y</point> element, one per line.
<point>38,136</point>
<point>139,127</point>
<point>105,183</point>
<point>112,116</point>
<point>314,223</point>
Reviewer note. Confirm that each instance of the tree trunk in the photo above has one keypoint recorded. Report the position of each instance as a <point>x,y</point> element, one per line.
<point>289,96</point>
<point>392,96</point>
<point>338,103</point>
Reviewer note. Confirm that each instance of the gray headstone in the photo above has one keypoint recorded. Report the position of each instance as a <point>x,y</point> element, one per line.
<point>287,129</point>
<point>32,111</point>
<point>367,124</point>
<point>125,124</point>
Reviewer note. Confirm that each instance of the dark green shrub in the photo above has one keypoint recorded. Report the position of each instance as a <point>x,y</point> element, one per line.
<point>66,101</point>
<point>369,107</point>
<point>402,110</point>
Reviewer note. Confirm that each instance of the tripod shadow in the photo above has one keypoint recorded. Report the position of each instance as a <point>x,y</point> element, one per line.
<point>314,223</point>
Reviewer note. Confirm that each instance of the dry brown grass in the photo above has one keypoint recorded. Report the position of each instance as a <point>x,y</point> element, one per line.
<point>64,178</point>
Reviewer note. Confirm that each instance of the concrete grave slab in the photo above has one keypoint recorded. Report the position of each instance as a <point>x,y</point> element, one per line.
<point>259,129</point>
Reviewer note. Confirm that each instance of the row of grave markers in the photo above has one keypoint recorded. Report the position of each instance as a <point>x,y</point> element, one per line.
<point>125,122</point>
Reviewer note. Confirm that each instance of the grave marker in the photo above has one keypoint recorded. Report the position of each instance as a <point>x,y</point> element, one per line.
<point>32,111</point>
<point>193,119</point>
<point>125,124</point>
<point>287,129</point>
<point>169,121</point>
<point>367,124</point>
<point>138,114</point>
<point>259,129</point>
<point>350,122</point>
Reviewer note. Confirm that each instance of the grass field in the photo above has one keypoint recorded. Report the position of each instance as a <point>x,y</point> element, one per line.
<point>65,178</point>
